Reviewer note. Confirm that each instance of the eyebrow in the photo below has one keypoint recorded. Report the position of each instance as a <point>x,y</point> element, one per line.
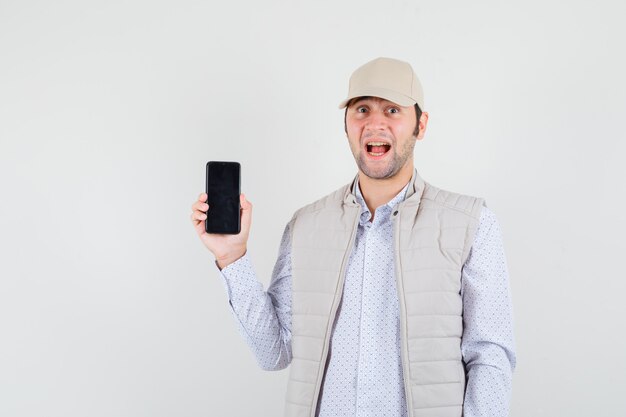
<point>363,99</point>
<point>376,99</point>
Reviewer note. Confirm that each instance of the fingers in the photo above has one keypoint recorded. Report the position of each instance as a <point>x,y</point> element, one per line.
<point>200,206</point>
<point>198,216</point>
<point>245,204</point>
<point>246,212</point>
<point>198,211</point>
<point>199,226</point>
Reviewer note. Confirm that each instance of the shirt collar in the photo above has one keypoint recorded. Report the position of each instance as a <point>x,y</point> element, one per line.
<point>387,207</point>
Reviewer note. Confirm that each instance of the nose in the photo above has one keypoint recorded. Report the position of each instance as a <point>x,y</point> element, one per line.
<point>376,121</point>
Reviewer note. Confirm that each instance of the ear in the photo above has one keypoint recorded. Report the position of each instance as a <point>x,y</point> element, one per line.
<point>422,123</point>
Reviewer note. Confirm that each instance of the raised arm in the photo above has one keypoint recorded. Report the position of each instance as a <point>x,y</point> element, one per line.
<point>263,318</point>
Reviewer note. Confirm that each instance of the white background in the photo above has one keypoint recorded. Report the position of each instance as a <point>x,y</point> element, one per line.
<point>109,110</point>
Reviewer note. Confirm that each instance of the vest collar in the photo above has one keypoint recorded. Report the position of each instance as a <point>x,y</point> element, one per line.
<point>413,193</point>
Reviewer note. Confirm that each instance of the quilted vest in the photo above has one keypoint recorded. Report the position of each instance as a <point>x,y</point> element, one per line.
<point>433,232</point>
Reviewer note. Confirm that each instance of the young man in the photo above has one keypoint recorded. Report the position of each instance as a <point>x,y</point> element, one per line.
<point>390,296</point>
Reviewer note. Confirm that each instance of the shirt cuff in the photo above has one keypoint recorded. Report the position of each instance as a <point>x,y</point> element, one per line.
<point>235,264</point>
<point>238,278</point>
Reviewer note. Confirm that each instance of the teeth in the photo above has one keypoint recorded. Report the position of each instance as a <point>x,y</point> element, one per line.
<point>376,143</point>
<point>376,153</point>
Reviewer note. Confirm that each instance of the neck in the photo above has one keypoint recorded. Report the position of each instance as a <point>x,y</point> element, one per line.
<point>377,192</point>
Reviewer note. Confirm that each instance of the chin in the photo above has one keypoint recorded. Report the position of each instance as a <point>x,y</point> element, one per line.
<point>379,173</point>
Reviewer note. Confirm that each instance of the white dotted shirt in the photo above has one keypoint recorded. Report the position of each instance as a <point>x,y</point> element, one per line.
<point>364,372</point>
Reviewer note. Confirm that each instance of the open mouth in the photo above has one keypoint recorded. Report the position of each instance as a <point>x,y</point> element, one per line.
<point>377,148</point>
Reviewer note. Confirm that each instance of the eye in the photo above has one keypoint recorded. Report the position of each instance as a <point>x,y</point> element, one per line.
<point>394,110</point>
<point>361,109</point>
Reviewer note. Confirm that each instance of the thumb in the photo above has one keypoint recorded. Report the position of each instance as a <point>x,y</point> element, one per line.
<point>246,212</point>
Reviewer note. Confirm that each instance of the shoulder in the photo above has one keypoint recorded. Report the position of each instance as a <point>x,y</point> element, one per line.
<point>321,210</point>
<point>487,216</point>
<point>327,208</point>
<point>445,199</point>
<point>488,226</point>
<point>332,200</point>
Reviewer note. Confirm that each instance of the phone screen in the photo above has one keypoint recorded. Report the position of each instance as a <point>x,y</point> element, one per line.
<point>223,181</point>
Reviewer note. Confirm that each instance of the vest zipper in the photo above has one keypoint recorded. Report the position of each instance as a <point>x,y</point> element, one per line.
<point>333,311</point>
<point>400,291</point>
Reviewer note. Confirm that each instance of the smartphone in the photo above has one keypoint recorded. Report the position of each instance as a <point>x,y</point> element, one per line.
<point>223,186</point>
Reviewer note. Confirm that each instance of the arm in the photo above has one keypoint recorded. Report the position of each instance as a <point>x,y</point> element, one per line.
<point>263,318</point>
<point>488,344</point>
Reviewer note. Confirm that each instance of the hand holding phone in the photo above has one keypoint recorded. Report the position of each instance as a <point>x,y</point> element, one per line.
<point>226,248</point>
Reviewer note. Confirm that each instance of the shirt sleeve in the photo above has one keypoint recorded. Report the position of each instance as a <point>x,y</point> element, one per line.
<point>263,318</point>
<point>487,345</point>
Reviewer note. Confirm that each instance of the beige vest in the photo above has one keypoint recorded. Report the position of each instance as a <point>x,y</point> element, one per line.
<point>433,233</point>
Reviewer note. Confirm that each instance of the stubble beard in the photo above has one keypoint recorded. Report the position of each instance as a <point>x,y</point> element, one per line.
<point>398,161</point>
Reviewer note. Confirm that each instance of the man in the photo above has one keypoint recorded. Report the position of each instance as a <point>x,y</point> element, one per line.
<point>390,297</point>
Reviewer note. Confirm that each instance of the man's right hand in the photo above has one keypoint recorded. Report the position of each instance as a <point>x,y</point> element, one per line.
<point>226,248</point>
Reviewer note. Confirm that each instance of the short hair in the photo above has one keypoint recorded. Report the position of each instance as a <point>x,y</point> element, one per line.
<point>418,113</point>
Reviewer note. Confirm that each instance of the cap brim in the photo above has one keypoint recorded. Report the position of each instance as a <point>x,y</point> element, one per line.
<point>393,96</point>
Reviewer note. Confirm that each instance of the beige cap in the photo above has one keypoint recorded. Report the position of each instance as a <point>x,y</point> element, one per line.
<point>387,78</point>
